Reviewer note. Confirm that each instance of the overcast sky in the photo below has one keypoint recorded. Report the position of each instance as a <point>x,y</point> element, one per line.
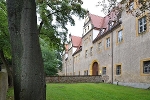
<point>90,5</point>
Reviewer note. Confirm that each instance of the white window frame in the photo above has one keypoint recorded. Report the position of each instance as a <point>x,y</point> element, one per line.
<point>108,42</point>
<point>104,71</point>
<point>142,25</point>
<point>131,5</point>
<point>120,36</point>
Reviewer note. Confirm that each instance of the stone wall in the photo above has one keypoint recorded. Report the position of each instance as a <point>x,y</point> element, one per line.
<point>3,85</point>
<point>76,79</point>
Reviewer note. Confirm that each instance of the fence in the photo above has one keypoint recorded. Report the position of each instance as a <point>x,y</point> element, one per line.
<point>77,79</point>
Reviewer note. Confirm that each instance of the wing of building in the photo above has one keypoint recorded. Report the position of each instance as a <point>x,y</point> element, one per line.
<point>117,46</point>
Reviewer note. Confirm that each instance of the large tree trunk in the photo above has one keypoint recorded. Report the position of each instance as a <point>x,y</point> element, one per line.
<point>14,8</point>
<point>29,79</point>
<point>10,77</point>
<point>32,74</point>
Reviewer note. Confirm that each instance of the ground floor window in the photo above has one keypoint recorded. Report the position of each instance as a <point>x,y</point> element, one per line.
<point>118,69</point>
<point>146,67</point>
<point>79,72</point>
<point>104,71</point>
<point>86,72</point>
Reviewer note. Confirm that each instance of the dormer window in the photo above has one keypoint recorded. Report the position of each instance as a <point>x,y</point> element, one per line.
<point>110,24</point>
<point>102,31</point>
<point>131,5</point>
<point>85,30</point>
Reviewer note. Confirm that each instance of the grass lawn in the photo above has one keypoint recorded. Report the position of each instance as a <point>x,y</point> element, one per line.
<point>94,91</point>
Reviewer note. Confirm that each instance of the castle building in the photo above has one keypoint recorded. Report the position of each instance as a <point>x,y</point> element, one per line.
<point>117,46</point>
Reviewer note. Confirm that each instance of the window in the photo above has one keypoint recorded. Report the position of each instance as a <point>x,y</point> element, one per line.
<point>79,72</point>
<point>108,42</point>
<point>85,30</point>
<point>88,28</point>
<point>120,36</point>
<point>86,53</point>
<point>102,30</point>
<point>131,5</point>
<point>146,67</point>
<point>91,50</point>
<point>86,72</point>
<point>100,46</point>
<point>110,24</point>
<point>104,71</point>
<point>142,24</point>
<point>90,37</point>
<point>118,70</point>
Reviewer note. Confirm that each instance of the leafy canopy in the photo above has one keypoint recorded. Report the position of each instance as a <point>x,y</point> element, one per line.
<point>4,36</point>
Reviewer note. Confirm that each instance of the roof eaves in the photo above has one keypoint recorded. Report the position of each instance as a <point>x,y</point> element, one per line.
<point>107,32</point>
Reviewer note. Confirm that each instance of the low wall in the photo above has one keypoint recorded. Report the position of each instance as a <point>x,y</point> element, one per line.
<point>75,79</point>
<point>3,85</point>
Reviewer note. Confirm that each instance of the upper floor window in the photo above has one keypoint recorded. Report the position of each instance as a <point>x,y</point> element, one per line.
<point>108,42</point>
<point>102,30</point>
<point>118,70</point>
<point>131,5</point>
<point>90,37</point>
<point>86,53</point>
<point>120,36</point>
<point>110,24</point>
<point>142,24</point>
<point>91,50</point>
<point>85,30</point>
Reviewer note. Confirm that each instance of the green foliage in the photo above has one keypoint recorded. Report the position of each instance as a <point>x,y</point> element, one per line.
<point>55,15</point>
<point>10,94</point>
<point>4,36</point>
<point>52,62</point>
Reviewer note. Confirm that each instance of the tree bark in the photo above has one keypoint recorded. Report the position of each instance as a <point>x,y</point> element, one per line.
<point>14,8</point>
<point>29,79</point>
<point>32,74</point>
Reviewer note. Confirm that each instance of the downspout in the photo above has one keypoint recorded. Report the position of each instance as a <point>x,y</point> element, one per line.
<point>66,67</point>
<point>112,55</point>
<point>73,65</point>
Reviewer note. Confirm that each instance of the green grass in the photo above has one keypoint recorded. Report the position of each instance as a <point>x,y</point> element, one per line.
<point>93,91</point>
<point>10,94</point>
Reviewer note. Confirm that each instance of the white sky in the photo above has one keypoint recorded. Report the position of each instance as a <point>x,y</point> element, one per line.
<point>90,5</point>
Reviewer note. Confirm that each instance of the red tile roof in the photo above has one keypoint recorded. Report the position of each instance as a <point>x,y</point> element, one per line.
<point>97,21</point>
<point>76,40</point>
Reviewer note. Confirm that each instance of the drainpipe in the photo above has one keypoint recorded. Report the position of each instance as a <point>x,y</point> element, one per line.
<point>73,65</point>
<point>66,67</point>
<point>112,55</point>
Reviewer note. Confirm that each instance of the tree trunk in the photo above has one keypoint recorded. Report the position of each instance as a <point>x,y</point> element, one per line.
<point>29,79</point>
<point>14,8</point>
<point>10,77</point>
<point>32,74</point>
